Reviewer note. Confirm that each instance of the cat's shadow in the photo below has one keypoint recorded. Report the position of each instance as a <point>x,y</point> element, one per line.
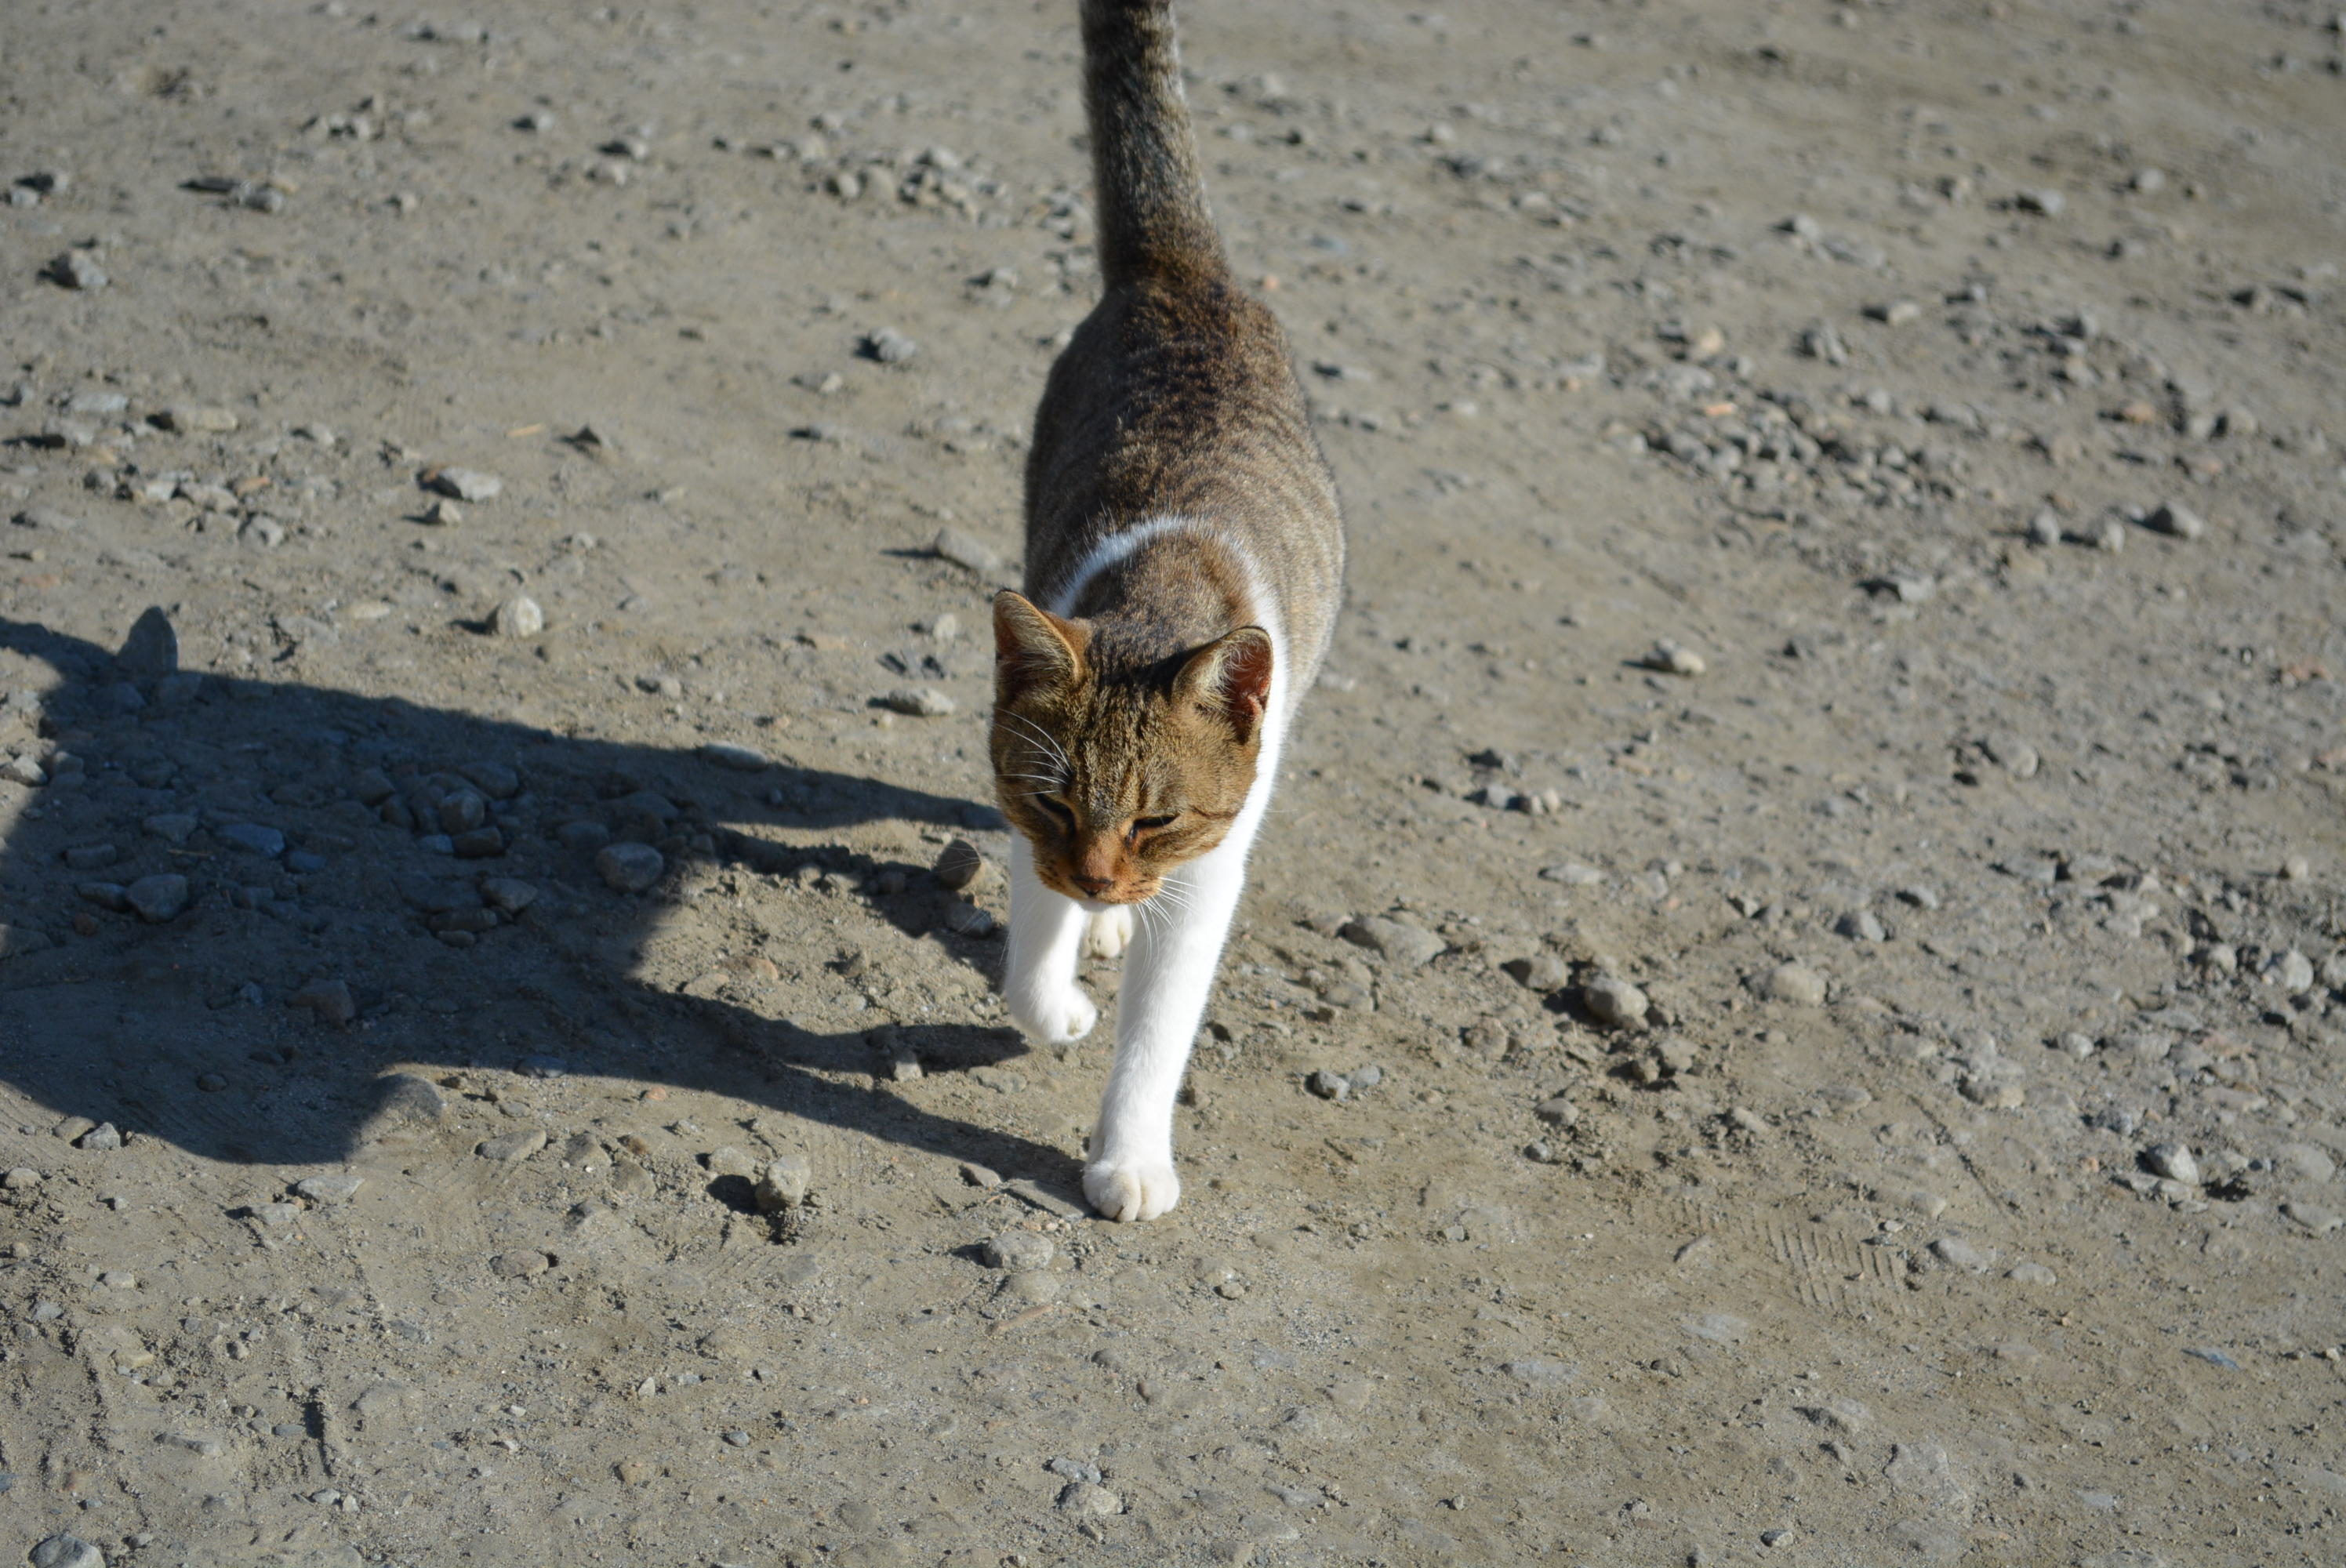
<point>187,1030</point>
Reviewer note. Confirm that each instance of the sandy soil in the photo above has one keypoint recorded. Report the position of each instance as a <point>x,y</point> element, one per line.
<point>1824,814</point>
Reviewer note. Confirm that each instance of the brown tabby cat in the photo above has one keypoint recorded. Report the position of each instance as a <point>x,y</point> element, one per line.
<point>1184,558</point>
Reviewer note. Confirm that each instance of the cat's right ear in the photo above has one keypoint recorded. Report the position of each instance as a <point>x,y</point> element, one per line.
<point>1033,648</point>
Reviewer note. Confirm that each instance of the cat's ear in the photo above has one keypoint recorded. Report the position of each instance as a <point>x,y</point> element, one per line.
<point>1034,647</point>
<point>1230,678</point>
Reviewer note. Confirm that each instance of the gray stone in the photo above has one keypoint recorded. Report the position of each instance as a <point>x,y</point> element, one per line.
<point>1613,1001</point>
<point>508,1147</point>
<point>78,269</point>
<point>1541,971</point>
<point>740,758</point>
<point>1861,925</point>
<point>523,1263</point>
<point>1963,1254</point>
<point>1018,1250</point>
<point>785,1183</point>
<point>2293,971</point>
<point>2034,1274</point>
<point>967,550</point>
<point>920,701</point>
<point>1573,873</point>
<point>254,838</point>
<point>2046,203</point>
<point>1087,1498</point>
<point>67,1551</point>
<point>728,1160</point>
<point>889,346</point>
<point>1402,942</point>
<point>630,868</point>
<point>1796,983</point>
<point>466,483</point>
<point>103,1137</point>
<point>198,419</point>
<point>2175,518</point>
<point>961,865</point>
<point>509,895</point>
<point>326,1191</point>
<point>2172,1161</point>
<point>1329,1085</point>
<point>519,616</point>
<point>159,897</point>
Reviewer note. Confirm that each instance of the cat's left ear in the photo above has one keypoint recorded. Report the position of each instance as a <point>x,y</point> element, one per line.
<point>1033,648</point>
<point>1230,678</point>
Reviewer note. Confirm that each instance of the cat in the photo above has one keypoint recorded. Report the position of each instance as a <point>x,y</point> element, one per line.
<point>1184,560</point>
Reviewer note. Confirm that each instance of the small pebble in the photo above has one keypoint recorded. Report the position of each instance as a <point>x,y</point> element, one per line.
<point>1861,925</point>
<point>254,838</point>
<point>159,897</point>
<point>961,865</point>
<point>630,868</point>
<point>1016,1251</point>
<point>525,1264</point>
<point>1541,971</point>
<point>509,1148</point>
<point>103,1137</point>
<point>1329,1085</point>
<point>466,483</point>
<point>2175,518</point>
<point>1614,1002</point>
<point>2046,203</point>
<point>967,550</point>
<point>889,346</point>
<point>1963,1254</point>
<point>1084,1497</point>
<point>1796,983</point>
<point>2173,1161</point>
<point>78,269</point>
<point>740,758</point>
<point>519,616</point>
<point>785,1183</point>
<point>325,1191</point>
<point>920,701</point>
<point>67,1551</point>
<point>1671,658</point>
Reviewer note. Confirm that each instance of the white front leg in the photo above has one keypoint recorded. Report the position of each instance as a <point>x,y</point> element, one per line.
<point>1038,977</point>
<point>1168,975</point>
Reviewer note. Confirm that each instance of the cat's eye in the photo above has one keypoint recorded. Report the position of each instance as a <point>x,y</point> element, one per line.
<point>1153,824</point>
<point>1056,811</point>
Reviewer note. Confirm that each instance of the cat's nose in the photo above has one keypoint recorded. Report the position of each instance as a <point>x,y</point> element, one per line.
<point>1095,886</point>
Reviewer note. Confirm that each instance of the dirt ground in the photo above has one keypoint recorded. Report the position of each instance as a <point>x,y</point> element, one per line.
<point>1824,814</point>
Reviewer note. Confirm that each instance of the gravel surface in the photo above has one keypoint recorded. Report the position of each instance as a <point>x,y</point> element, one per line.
<point>1793,1008</point>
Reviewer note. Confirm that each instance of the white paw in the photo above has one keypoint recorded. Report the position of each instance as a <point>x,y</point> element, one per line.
<point>1057,1018</point>
<point>1129,1190</point>
<point>1109,933</point>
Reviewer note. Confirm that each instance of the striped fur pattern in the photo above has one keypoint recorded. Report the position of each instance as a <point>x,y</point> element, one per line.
<point>1184,561</point>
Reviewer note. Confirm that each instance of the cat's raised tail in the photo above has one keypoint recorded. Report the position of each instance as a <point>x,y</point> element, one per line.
<point>1153,221</point>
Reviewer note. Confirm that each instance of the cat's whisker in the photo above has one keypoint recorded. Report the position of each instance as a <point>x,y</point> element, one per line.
<point>1036,733</point>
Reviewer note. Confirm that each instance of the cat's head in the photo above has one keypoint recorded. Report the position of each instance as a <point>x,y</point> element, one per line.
<point>1117,780</point>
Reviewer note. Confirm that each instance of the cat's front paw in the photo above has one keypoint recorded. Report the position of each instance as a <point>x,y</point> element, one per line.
<point>1054,1018</point>
<point>1109,933</point>
<point>1131,1189</point>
